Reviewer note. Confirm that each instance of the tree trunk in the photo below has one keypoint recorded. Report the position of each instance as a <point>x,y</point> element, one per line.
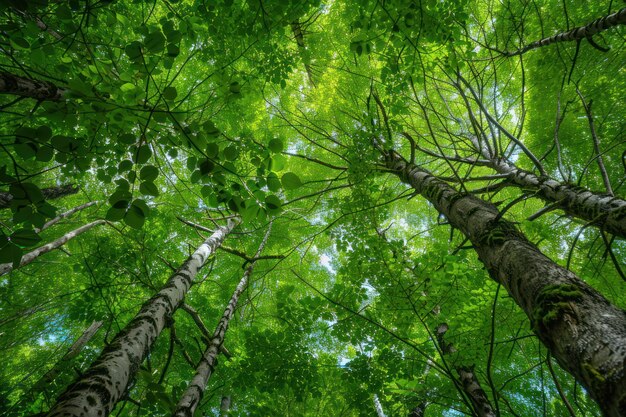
<point>225,406</point>
<point>604,210</point>
<point>25,87</point>
<point>97,391</point>
<point>72,352</point>
<point>31,256</point>
<point>64,215</point>
<point>578,33</point>
<point>48,193</point>
<point>580,328</point>
<point>195,390</point>
<point>379,407</point>
<point>477,396</point>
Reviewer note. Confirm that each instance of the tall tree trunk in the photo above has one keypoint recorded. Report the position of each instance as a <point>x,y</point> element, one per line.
<point>26,87</point>
<point>580,328</point>
<point>97,391</point>
<point>606,211</point>
<point>195,390</point>
<point>62,364</point>
<point>31,256</point>
<point>379,407</point>
<point>225,406</point>
<point>49,193</point>
<point>578,33</point>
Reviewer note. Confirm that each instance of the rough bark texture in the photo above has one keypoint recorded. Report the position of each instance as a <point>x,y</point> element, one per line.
<point>604,210</point>
<point>578,33</point>
<point>195,390</point>
<point>25,87</point>
<point>97,391</point>
<point>48,193</point>
<point>580,328</point>
<point>62,364</point>
<point>31,256</point>
<point>225,406</point>
<point>477,396</point>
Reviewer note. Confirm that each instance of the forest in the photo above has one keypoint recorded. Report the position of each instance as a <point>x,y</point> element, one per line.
<point>368,208</point>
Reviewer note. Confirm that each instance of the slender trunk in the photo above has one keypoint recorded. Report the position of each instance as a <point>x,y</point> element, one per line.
<point>72,352</point>
<point>195,390</point>
<point>97,391</point>
<point>26,87</point>
<point>469,382</point>
<point>64,215</point>
<point>477,396</point>
<point>578,33</point>
<point>580,328</point>
<point>298,34</point>
<point>225,406</point>
<point>379,407</point>
<point>48,193</point>
<point>31,256</point>
<point>606,211</point>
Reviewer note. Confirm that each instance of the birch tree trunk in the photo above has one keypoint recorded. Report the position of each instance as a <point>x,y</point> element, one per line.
<point>195,390</point>
<point>98,390</point>
<point>64,215</point>
<point>605,211</point>
<point>474,391</point>
<point>25,87</point>
<point>578,33</point>
<point>48,194</point>
<point>580,328</point>
<point>31,256</point>
<point>72,352</point>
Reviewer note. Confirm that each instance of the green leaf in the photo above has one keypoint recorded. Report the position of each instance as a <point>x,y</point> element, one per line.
<point>10,253</point>
<point>231,153</point>
<point>272,202</point>
<point>25,237</point>
<point>273,183</point>
<point>115,214</point>
<point>19,43</point>
<point>143,154</point>
<point>134,217</point>
<point>169,93</point>
<point>291,181</point>
<point>125,165</point>
<point>148,188</point>
<point>155,42</point>
<point>276,145</point>
<point>126,87</point>
<point>149,173</point>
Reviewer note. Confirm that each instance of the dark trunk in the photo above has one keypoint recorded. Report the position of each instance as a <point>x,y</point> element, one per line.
<point>580,328</point>
<point>48,193</point>
<point>25,87</point>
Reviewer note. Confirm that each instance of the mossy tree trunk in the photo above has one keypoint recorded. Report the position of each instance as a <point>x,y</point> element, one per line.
<point>580,328</point>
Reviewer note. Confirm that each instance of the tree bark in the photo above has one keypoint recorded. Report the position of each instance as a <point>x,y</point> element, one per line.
<point>477,396</point>
<point>192,396</point>
<point>580,328</point>
<point>97,391</point>
<point>50,193</point>
<point>26,87</point>
<point>31,256</point>
<point>72,352</point>
<point>225,406</point>
<point>578,33</point>
<point>605,211</point>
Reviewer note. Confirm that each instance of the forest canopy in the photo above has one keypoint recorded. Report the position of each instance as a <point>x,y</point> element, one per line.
<point>312,208</point>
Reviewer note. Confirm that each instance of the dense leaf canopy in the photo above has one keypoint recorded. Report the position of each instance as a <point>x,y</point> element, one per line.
<point>170,113</point>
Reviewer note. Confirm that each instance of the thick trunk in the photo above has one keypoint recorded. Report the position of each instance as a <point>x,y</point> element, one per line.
<point>25,87</point>
<point>64,215</point>
<point>72,352</point>
<point>48,193</point>
<point>31,256</point>
<point>192,396</point>
<point>97,391</point>
<point>225,406</point>
<point>477,396</point>
<point>604,210</point>
<point>578,33</point>
<point>580,328</point>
